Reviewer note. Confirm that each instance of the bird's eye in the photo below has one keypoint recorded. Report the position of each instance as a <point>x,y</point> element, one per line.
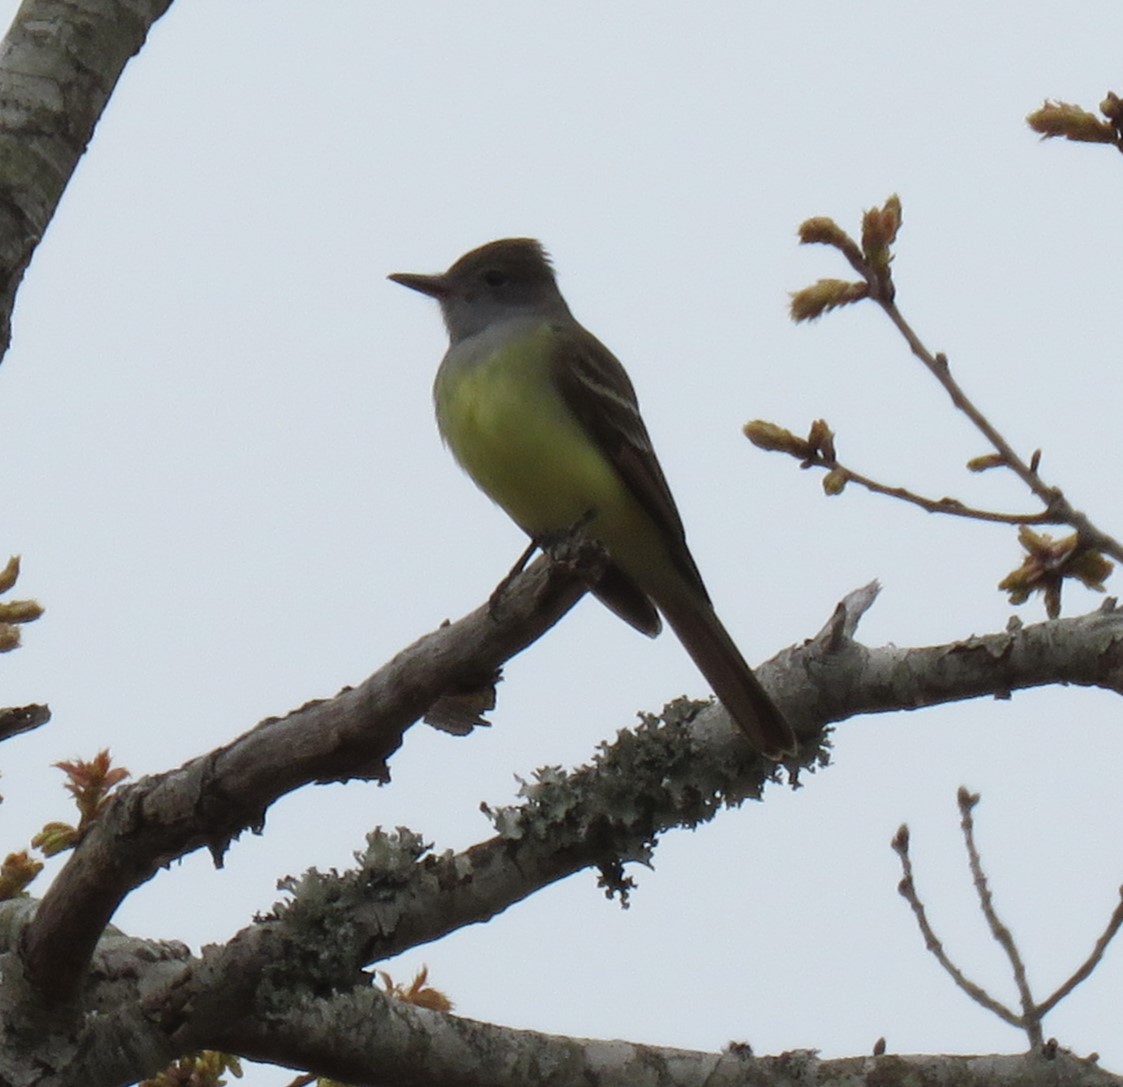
<point>495,278</point>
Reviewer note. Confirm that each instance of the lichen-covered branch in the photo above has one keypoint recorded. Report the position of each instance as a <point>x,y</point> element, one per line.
<point>824,681</point>
<point>679,772</point>
<point>214,798</point>
<point>361,1035</point>
<point>366,1037</point>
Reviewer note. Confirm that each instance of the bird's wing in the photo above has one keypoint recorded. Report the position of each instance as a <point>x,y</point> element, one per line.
<point>599,393</point>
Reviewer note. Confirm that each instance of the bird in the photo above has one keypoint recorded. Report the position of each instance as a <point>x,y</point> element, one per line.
<point>545,420</point>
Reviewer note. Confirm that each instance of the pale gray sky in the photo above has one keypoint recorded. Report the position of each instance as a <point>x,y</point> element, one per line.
<point>222,471</point>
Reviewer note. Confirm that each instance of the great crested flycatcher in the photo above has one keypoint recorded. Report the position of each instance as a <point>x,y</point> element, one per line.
<point>544,418</point>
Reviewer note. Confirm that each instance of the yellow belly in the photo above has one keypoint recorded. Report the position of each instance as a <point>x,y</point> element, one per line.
<point>506,424</point>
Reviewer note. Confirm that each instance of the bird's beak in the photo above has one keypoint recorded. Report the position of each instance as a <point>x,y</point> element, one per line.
<point>434,286</point>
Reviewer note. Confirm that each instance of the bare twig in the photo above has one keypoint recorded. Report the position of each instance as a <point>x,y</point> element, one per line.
<point>1058,508</point>
<point>907,889</point>
<point>817,450</point>
<point>1090,963</point>
<point>951,506</point>
<point>1031,1015</point>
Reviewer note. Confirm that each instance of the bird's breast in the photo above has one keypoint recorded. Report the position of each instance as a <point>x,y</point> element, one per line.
<point>502,416</point>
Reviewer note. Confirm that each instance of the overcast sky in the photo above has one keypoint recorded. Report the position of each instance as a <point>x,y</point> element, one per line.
<point>222,471</point>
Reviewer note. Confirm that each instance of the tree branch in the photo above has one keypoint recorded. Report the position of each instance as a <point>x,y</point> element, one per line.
<point>376,1040</point>
<point>211,799</point>
<point>678,773</point>
<point>872,260</point>
<point>1053,498</point>
<point>364,1036</point>
<point>17,719</point>
<point>58,66</point>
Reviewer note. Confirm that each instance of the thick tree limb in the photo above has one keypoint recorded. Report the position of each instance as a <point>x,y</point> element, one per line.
<point>363,1036</point>
<point>212,799</point>
<point>107,1039</point>
<point>679,773</point>
<point>821,684</point>
<point>59,64</point>
<point>367,1037</point>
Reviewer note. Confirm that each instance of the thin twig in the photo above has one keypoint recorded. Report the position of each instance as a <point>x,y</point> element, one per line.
<point>1032,1013</point>
<point>907,889</point>
<point>950,506</point>
<point>1031,1016</point>
<point>872,261</point>
<point>1090,963</point>
<point>1056,505</point>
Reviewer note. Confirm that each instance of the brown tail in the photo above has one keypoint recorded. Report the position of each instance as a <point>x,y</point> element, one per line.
<point>720,661</point>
